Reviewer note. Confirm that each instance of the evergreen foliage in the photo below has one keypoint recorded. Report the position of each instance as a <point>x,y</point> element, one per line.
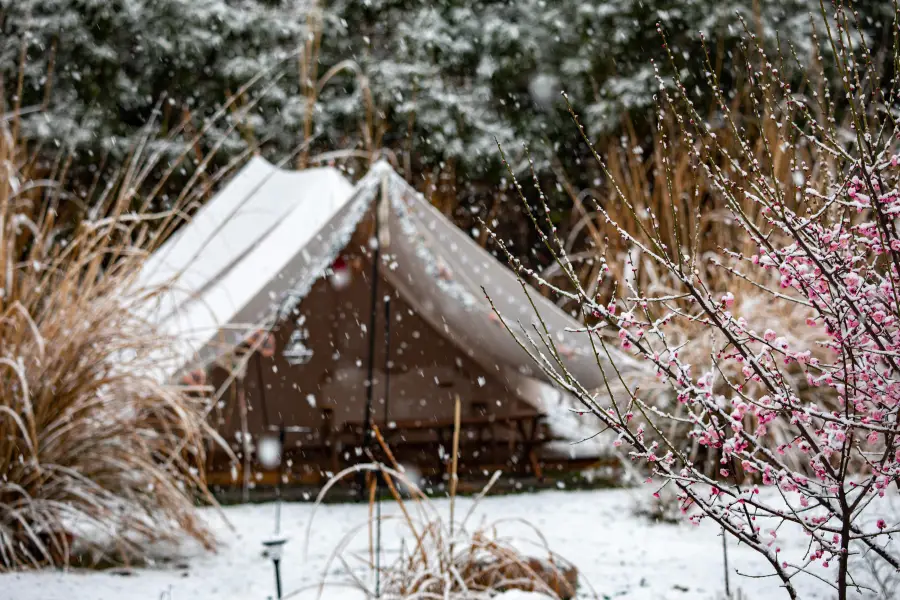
<point>448,78</point>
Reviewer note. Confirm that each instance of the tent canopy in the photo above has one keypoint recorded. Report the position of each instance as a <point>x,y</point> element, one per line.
<point>256,250</point>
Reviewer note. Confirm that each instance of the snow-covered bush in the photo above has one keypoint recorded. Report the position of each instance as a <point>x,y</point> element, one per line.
<point>825,240</point>
<point>97,456</point>
<point>662,507</point>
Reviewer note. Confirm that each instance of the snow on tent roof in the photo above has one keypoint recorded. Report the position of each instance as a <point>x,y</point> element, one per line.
<point>226,228</point>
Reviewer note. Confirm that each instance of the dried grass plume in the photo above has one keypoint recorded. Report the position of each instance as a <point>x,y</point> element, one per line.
<point>98,457</point>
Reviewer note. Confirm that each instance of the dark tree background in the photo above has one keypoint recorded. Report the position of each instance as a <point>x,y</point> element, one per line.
<point>449,79</point>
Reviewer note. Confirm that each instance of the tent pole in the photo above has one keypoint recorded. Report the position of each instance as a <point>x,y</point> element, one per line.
<point>387,396</point>
<point>387,356</point>
<point>245,442</point>
<point>260,382</point>
<point>373,309</point>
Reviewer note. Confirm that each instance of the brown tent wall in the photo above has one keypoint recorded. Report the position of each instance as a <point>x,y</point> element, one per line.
<point>322,402</point>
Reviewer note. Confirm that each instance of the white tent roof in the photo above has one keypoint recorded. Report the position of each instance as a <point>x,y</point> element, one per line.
<point>272,233</point>
<point>204,266</point>
<point>235,221</point>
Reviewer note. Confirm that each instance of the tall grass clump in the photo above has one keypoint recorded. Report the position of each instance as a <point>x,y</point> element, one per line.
<point>102,455</point>
<point>99,458</point>
<point>442,556</point>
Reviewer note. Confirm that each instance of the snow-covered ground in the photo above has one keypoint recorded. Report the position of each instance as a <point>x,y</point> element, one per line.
<point>621,555</point>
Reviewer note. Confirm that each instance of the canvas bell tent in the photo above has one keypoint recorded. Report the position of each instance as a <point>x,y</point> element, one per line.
<point>282,286</point>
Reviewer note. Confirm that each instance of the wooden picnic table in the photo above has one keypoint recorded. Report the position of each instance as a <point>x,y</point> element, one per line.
<point>525,429</point>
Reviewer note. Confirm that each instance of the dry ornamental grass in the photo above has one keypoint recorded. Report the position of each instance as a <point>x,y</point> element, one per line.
<point>98,457</point>
<point>442,556</point>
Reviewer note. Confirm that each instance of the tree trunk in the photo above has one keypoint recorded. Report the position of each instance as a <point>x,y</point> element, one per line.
<point>844,559</point>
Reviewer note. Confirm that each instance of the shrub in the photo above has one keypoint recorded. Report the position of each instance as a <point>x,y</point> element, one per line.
<point>833,251</point>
